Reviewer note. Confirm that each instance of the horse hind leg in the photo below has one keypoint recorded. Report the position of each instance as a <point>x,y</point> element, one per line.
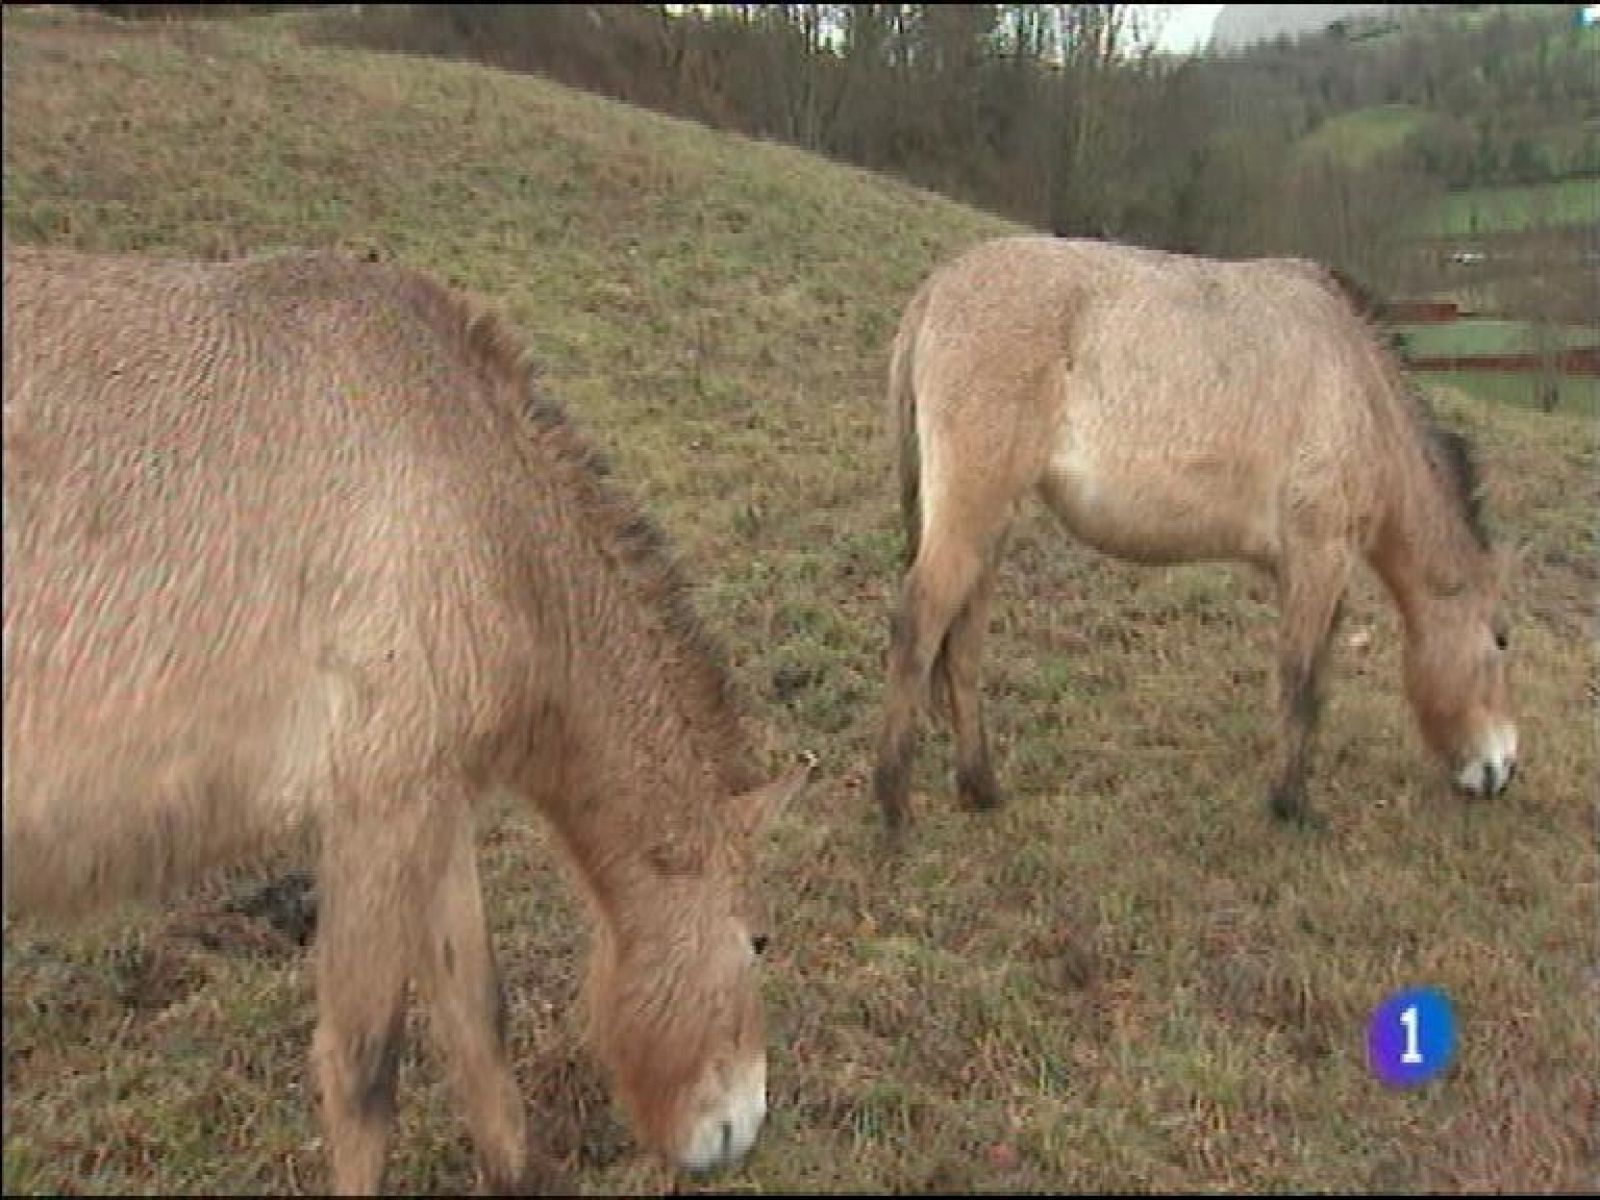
<point>957,665</point>
<point>935,591</point>
<point>461,987</point>
<point>1311,585</point>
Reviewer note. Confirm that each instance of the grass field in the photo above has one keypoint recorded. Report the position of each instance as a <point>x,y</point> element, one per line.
<point>1129,978</point>
<point>1356,137</point>
<point>1512,209</point>
<point>1577,394</point>
<point>1485,336</point>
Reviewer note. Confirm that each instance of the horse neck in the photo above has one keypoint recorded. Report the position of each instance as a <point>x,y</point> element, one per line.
<point>1424,545</point>
<point>632,745</point>
<point>649,756</point>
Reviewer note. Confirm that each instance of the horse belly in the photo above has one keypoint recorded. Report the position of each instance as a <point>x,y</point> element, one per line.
<point>1162,506</point>
<point>124,804</point>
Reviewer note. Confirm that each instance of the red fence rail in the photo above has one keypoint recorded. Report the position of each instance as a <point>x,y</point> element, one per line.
<point>1585,360</point>
<point>1420,312</point>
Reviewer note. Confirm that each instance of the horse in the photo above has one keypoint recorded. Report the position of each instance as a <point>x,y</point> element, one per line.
<point>293,546</point>
<point>1170,408</point>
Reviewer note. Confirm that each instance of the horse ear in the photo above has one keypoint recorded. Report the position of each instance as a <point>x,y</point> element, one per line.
<point>764,804</point>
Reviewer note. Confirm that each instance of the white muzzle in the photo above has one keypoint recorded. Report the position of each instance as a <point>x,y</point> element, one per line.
<point>1489,771</point>
<point>723,1136</point>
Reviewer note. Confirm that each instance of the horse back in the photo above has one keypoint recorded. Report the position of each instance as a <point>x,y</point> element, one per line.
<point>1168,407</point>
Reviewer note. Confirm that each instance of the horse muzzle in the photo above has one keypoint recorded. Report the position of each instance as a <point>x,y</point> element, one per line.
<point>1488,772</point>
<point>723,1136</point>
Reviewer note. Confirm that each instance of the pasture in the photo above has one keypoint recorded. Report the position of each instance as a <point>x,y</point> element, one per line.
<point>1129,978</point>
<point>1472,337</point>
<point>1489,210</point>
<point>1368,133</point>
<point>1483,335</point>
<point>1578,395</point>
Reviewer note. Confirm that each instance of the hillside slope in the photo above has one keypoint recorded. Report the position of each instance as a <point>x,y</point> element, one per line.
<point>1129,978</point>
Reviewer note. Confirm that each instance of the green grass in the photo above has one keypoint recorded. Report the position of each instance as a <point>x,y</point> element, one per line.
<point>1355,138</point>
<point>1578,394</point>
<point>1128,978</point>
<point>1517,208</point>
<point>1483,337</point>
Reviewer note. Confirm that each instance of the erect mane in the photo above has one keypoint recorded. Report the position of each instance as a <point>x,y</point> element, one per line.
<point>1449,451</point>
<point>627,536</point>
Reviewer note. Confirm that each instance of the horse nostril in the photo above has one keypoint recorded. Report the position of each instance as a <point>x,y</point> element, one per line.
<point>727,1138</point>
<point>1511,773</point>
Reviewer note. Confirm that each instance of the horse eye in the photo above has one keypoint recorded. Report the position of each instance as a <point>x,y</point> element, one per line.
<point>1502,639</point>
<point>758,943</point>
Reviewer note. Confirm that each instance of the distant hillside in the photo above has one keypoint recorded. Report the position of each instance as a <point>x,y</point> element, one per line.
<point>1243,25</point>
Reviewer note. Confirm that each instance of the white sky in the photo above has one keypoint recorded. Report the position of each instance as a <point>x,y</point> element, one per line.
<point>1184,27</point>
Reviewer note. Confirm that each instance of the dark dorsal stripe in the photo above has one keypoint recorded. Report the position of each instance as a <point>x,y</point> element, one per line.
<point>1451,454</point>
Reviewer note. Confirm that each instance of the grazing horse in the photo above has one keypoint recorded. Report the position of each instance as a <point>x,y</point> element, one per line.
<point>291,544</point>
<point>1173,409</point>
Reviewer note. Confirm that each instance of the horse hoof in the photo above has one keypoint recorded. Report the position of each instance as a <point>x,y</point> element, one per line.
<point>977,790</point>
<point>981,799</point>
<point>1289,805</point>
<point>892,827</point>
<point>1291,809</point>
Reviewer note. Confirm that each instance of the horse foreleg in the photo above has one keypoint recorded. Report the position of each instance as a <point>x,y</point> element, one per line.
<point>366,941</point>
<point>462,989</point>
<point>1311,586</point>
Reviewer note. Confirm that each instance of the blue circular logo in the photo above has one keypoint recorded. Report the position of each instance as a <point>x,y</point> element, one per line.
<point>1411,1037</point>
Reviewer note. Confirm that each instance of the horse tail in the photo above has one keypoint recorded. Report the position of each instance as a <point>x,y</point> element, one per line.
<point>903,414</point>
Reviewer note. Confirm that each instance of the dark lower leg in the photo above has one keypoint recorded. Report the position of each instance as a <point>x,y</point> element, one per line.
<point>933,593</point>
<point>976,787</point>
<point>891,776</point>
<point>364,955</point>
<point>1309,617</point>
<point>1301,703</point>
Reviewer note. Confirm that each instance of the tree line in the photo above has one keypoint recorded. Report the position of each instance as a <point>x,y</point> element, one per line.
<point>1061,116</point>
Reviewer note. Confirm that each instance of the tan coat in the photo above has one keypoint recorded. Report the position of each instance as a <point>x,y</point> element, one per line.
<point>290,544</point>
<point>1170,409</point>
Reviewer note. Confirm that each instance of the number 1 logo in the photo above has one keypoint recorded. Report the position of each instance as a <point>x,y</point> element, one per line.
<point>1412,1056</point>
<point>1411,1037</point>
